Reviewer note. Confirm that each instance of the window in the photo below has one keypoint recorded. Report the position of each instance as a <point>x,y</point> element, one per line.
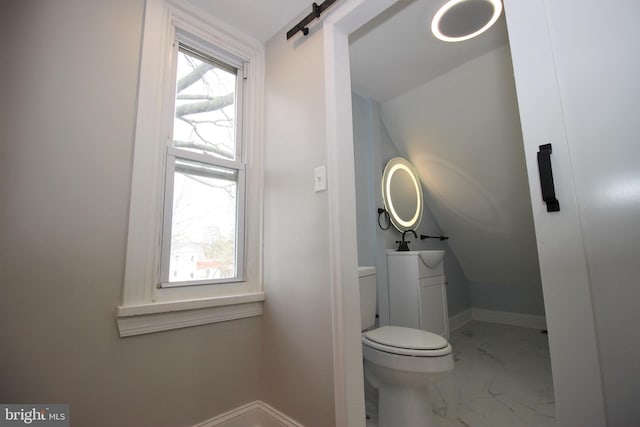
<point>193,247</point>
<point>203,218</point>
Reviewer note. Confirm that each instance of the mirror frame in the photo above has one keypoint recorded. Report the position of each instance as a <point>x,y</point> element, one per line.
<point>393,165</point>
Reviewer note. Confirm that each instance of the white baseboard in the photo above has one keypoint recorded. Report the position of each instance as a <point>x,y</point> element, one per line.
<point>507,318</point>
<point>493,316</point>
<point>459,320</point>
<point>254,414</point>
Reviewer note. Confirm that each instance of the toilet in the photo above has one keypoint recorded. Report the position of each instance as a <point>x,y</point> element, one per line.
<point>400,362</point>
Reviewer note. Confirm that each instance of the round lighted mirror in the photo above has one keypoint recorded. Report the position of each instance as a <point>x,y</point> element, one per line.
<point>402,194</point>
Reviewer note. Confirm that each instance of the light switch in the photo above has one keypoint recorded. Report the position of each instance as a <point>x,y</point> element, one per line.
<point>320,178</point>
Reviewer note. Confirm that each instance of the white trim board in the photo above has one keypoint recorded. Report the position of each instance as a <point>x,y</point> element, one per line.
<point>339,22</point>
<point>493,316</point>
<point>254,414</point>
<point>144,323</point>
<point>146,307</point>
<point>459,320</point>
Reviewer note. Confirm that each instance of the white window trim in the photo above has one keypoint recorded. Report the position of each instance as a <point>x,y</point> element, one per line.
<point>145,308</point>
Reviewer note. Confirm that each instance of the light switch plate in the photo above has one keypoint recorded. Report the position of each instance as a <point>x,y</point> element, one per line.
<point>320,178</point>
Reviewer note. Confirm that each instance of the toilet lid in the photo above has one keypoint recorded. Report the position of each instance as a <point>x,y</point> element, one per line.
<point>406,338</point>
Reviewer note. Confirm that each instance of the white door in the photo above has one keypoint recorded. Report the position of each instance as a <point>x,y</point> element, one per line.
<point>577,73</point>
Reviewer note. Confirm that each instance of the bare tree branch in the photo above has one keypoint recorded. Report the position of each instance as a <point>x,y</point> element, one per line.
<point>210,105</point>
<point>194,125</point>
<point>223,123</point>
<point>197,74</point>
<point>199,96</point>
<point>198,145</point>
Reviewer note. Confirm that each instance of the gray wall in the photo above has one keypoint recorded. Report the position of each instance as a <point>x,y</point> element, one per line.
<point>69,74</point>
<point>513,299</point>
<point>297,362</point>
<point>373,149</point>
<point>462,132</point>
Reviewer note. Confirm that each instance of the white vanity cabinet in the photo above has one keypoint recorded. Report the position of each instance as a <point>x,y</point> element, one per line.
<point>417,292</point>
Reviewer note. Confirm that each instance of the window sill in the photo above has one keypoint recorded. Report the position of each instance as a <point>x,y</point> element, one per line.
<point>163,316</point>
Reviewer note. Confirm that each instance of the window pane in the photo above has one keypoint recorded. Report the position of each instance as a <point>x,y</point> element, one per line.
<point>203,228</point>
<point>205,106</point>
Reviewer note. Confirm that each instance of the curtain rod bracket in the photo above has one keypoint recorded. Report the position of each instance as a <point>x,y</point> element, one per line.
<point>315,14</point>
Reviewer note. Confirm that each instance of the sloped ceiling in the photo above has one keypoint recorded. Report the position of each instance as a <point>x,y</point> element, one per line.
<point>462,133</point>
<point>452,110</point>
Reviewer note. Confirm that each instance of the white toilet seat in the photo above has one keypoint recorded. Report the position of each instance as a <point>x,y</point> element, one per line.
<point>401,365</point>
<point>406,342</point>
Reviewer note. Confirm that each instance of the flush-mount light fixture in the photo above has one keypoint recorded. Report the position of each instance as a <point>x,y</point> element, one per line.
<point>460,20</point>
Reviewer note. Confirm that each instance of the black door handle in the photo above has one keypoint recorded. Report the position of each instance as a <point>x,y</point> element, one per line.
<point>546,178</point>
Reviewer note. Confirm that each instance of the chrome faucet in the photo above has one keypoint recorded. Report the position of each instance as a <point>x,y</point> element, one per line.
<point>403,245</point>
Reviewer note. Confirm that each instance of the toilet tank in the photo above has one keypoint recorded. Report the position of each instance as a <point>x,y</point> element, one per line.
<point>368,293</point>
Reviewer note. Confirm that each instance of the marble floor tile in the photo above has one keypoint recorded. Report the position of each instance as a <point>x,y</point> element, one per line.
<point>502,378</point>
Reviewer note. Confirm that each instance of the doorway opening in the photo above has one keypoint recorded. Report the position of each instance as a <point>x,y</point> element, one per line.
<point>451,110</point>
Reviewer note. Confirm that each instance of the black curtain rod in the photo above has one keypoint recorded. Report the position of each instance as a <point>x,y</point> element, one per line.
<point>315,13</point>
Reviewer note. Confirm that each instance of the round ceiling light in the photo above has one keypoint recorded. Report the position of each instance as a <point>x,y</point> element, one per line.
<point>460,20</point>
